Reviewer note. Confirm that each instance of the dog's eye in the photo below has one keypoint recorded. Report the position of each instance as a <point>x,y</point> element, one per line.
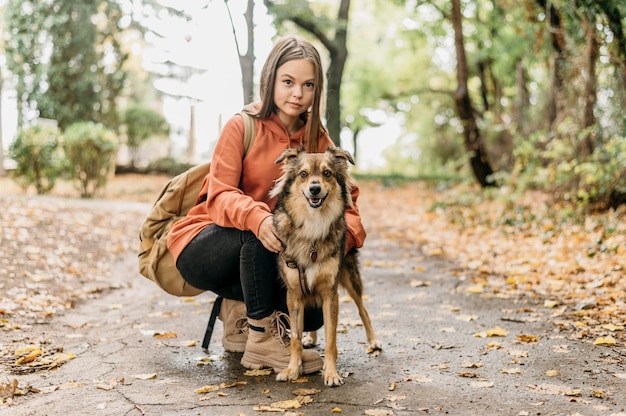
<point>327,173</point>
<point>303,174</point>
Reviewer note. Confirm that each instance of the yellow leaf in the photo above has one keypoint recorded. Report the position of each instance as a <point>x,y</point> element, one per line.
<point>497,332</point>
<point>256,373</point>
<point>27,350</point>
<point>206,389</point>
<point>150,376</point>
<point>475,289</point>
<point>613,327</point>
<point>419,269</point>
<point>287,404</point>
<point>550,303</point>
<point>305,392</point>
<point>234,384</point>
<point>493,332</point>
<point>515,370</point>
<point>527,339</point>
<point>605,341</point>
<point>336,410</point>
<point>165,335</point>
<point>552,373</point>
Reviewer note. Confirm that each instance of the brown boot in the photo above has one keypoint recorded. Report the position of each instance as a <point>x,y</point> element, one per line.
<point>268,346</point>
<point>233,315</point>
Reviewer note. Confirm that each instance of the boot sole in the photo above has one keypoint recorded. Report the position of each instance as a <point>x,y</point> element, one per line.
<point>233,346</point>
<point>258,361</point>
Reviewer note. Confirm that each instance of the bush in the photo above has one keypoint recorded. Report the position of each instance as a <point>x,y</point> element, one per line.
<point>554,164</point>
<point>39,158</point>
<point>91,150</point>
<point>168,166</point>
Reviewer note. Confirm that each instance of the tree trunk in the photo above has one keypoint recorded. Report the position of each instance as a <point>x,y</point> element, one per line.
<point>557,62</point>
<point>246,61</point>
<point>2,171</point>
<point>338,51</point>
<point>522,101</point>
<point>472,138</point>
<point>591,56</point>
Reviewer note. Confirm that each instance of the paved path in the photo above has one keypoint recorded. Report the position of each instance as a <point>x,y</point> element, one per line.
<point>433,362</point>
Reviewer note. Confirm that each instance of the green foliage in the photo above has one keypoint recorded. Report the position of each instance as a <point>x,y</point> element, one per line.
<point>168,166</point>
<point>555,165</point>
<point>66,58</point>
<point>141,123</point>
<point>39,158</point>
<point>90,150</point>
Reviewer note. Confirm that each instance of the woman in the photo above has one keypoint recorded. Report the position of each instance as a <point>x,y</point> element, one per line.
<point>228,244</point>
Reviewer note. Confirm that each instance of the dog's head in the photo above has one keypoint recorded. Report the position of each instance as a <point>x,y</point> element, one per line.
<point>316,176</point>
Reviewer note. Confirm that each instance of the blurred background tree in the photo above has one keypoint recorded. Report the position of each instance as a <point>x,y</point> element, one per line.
<point>542,84</point>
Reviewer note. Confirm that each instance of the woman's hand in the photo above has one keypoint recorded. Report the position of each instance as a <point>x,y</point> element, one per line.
<point>268,237</point>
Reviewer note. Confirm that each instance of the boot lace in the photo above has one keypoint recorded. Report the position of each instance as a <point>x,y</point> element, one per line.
<point>278,328</point>
<point>241,325</point>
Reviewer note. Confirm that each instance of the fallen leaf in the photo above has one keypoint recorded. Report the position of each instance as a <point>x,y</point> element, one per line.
<point>287,404</point>
<point>469,374</point>
<point>493,332</point>
<point>256,373</point>
<point>482,384</point>
<point>336,410</point>
<point>305,392</point>
<point>527,339</point>
<point>165,335</point>
<point>605,341</point>
<point>379,412</point>
<point>206,389</point>
<point>149,376</point>
<point>108,386</point>
<point>612,327</point>
<point>515,370</point>
<point>468,364</point>
<point>552,373</point>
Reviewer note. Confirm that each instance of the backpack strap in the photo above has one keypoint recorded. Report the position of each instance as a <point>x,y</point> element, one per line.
<point>249,131</point>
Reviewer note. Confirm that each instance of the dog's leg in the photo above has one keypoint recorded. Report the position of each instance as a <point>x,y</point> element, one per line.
<point>330,306</point>
<point>309,340</point>
<point>351,282</point>
<point>295,305</point>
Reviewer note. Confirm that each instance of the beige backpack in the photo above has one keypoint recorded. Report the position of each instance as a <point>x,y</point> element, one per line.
<point>177,197</point>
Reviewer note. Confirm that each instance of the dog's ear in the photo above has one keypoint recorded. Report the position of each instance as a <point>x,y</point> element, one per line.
<point>344,154</point>
<point>289,154</point>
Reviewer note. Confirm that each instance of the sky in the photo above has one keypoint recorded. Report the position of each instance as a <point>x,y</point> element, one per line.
<point>207,42</point>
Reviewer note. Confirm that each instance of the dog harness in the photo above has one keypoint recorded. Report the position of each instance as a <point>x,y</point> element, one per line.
<point>304,284</point>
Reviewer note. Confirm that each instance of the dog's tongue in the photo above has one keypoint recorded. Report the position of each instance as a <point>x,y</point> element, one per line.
<point>315,202</point>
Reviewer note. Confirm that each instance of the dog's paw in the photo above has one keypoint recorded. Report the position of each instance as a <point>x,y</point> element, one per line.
<point>309,340</point>
<point>332,379</point>
<point>288,374</point>
<point>374,347</point>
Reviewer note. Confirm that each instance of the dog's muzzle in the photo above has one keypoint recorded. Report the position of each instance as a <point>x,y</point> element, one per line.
<point>313,196</point>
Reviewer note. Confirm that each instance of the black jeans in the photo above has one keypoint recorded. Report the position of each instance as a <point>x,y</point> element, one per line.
<point>235,264</point>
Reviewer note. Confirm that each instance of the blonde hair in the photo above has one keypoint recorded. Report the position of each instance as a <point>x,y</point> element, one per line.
<point>285,50</point>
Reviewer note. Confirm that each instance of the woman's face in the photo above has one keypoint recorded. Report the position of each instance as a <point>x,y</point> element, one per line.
<point>294,89</point>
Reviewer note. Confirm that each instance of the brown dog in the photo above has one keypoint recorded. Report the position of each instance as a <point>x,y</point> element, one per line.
<point>313,194</point>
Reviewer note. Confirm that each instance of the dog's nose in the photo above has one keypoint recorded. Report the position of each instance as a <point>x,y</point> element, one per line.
<point>315,189</point>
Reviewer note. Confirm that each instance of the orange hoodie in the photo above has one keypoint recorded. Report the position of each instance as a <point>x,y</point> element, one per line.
<point>237,188</point>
